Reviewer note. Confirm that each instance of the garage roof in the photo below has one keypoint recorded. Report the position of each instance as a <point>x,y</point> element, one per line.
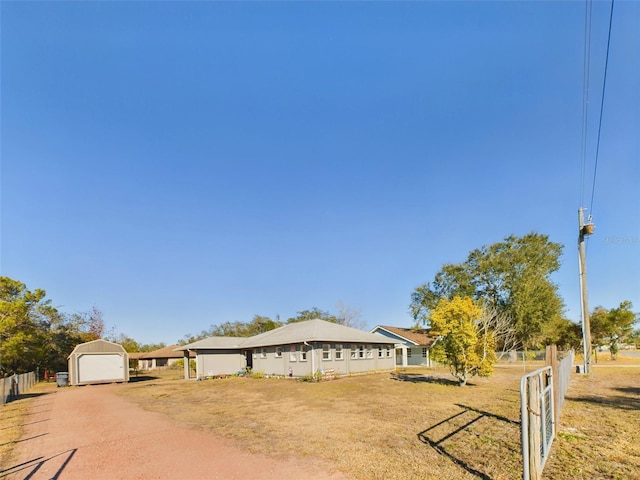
<point>213,343</point>
<point>98,346</point>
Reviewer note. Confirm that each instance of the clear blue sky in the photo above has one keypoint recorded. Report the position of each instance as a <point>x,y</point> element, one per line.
<point>183,164</point>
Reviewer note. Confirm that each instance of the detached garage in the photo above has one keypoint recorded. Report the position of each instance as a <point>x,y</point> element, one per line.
<point>98,361</point>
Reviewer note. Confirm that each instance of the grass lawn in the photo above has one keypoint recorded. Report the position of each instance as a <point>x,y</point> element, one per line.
<point>411,424</point>
<point>13,417</point>
<point>414,424</point>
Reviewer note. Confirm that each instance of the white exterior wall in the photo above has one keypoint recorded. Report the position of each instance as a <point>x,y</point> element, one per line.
<point>86,368</point>
<point>219,362</point>
<point>268,363</point>
<point>412,356</point>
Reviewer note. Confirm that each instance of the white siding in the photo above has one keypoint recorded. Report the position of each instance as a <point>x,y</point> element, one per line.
<point>100,367</point>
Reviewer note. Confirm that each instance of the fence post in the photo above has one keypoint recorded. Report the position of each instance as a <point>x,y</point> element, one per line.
<point>551,359</point>
<point>534,440</point>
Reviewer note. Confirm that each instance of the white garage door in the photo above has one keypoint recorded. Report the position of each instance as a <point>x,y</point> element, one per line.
<point>97,368</point>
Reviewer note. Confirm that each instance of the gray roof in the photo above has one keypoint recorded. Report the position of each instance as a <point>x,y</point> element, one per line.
<point>98,346</point>
<point>313,331</point>
<point>214,343</point>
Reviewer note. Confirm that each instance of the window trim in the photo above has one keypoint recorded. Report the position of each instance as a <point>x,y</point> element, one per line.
<point>361,352</point>
<point>368,351</point>
<point>326,353</point>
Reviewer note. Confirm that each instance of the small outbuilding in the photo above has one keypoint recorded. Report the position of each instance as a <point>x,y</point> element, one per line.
<point>98,361</point>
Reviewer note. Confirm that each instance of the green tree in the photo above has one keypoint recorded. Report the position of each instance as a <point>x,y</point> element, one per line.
<point>612,327</point>
<point>513,276</point>
<point>259,324</point>
<point>465,343</point>
<point>562,332</point>
<point>26,318</point>
<point>314,313</point>
<point>150,347</point>
<point>634,338</point>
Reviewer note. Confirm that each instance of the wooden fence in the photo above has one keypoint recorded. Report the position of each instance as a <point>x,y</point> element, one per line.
<point>12,387</point>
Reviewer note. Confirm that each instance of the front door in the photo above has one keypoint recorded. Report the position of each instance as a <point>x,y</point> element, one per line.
<point>248,355</point>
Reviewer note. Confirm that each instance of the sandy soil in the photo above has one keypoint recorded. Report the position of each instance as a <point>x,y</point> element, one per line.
<point>90,432</point>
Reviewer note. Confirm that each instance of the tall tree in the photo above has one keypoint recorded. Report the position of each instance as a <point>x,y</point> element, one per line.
<point>349,317</point>
<point>26,318</point>
<point>512,276</point>
<point>259,324</point>
<point>466,343</point>
<point>612,327</point>
<point>313,314</point>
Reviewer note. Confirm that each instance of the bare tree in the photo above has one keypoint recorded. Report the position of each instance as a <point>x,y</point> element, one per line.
<point>349,316</point>
<point>503,329</point>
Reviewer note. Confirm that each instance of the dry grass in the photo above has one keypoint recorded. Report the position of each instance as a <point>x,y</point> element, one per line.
<point>407,425</point>
<point>599,432</point>
<point>13,417</point>
<point>413,424</point>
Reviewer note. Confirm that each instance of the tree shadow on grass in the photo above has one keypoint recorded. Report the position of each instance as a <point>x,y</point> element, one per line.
<point>630,390</point>
<point>142,378</point>
<point>438,434</point>
<point>421,378</point>
<point>613,401</point>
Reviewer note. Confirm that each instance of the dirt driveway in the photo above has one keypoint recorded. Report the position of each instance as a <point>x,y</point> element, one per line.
<point>82,433</point>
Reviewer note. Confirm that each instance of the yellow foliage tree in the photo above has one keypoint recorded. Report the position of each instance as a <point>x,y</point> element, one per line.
<point>465,342</point>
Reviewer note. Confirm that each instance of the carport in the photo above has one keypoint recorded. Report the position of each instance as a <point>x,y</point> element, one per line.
<point>98,361</point>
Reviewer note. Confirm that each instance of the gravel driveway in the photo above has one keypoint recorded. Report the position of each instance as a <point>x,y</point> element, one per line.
<point>82,433</point>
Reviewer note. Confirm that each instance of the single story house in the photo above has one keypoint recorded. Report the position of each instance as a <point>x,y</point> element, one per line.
<point>215,356</point>
<point>134,360</point>
<point>296,350</point>
<point>98,361</point>
<point>161,358</point>
<point>412,344</point>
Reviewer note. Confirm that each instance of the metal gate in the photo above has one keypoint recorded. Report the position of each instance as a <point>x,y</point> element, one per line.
<point>537,420</point>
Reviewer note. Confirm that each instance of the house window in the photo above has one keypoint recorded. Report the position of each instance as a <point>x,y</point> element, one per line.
<point>354,351</point>
<point>369,351</point>
<point>278,352</point>
<point>339,355</point>
<point>326,351</point>
<point>408,353</point>
<point>292,354</point>
<point>303,354</point>
<point>380,352</point>
<point>424,353</point>
<point>388,350</point>
<point>263,352</point>
<point>360,351</point>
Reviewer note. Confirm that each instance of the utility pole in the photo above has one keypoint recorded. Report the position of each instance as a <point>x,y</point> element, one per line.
<point>584,231</point>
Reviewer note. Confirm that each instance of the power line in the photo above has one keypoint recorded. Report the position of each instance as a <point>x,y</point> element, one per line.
<point>604,85</point>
